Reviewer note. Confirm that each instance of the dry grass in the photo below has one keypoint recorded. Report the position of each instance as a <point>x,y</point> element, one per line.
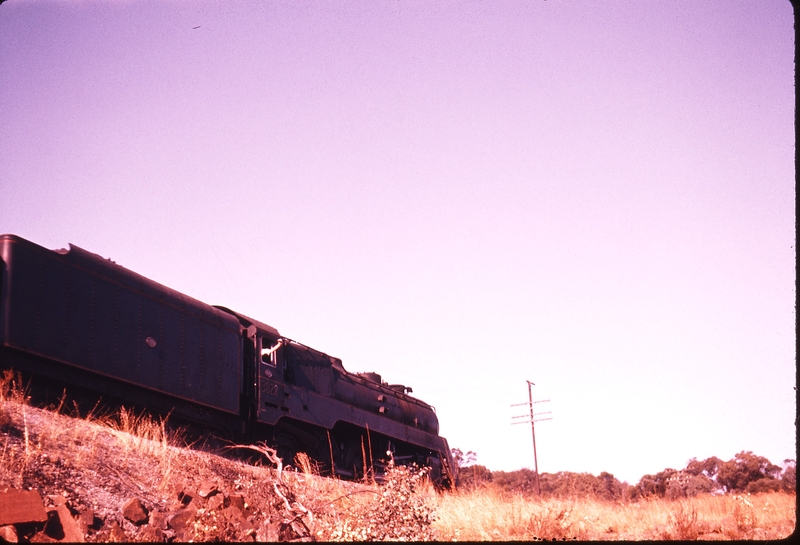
<point>119,440</point>
<point>398,510</point>
<point>101,461</point>
<point>486,514</point>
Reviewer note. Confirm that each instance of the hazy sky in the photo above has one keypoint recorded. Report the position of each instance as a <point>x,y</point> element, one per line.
<point>597,196</point>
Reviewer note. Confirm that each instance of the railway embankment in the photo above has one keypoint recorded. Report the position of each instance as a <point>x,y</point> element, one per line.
<point>124,478</point>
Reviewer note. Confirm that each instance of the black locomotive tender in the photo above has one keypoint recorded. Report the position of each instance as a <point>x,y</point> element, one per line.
<point>72,319</point>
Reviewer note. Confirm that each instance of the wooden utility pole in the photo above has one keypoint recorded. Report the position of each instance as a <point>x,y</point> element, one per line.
<point>531,416</point>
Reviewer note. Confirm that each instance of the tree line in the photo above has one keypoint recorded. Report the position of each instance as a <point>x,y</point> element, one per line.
<point>744,473</point>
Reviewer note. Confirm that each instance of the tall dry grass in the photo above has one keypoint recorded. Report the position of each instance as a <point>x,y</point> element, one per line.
<point>487,514</point>
<point>14,460</point>
<point>30,436</point>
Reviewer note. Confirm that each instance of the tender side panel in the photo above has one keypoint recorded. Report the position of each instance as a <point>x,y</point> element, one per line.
<point>3,290</point>
<point>104,318</point>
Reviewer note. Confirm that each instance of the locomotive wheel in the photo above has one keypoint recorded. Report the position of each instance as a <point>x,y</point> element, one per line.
<point>352,459</point>
<point>287,448</point>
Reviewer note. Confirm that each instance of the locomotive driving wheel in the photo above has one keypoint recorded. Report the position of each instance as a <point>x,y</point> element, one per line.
<point>287,448</point>
<point>353,459</point>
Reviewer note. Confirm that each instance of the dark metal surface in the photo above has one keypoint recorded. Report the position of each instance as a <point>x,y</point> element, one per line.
<point>75,318</point>
<point>79,309</point>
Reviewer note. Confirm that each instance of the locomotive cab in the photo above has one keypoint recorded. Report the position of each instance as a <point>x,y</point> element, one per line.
<point>271,372</point>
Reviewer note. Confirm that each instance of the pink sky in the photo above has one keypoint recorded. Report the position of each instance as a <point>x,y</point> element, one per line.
<point>598,197</point>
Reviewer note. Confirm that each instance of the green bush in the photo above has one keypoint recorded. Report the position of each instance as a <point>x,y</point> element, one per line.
<point>763,485</point>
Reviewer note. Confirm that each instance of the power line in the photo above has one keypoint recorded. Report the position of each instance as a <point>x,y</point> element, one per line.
<point>531,417</point>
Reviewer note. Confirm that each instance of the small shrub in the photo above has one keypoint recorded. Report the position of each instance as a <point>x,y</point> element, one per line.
<point>744,514</point>
<point>553,523</point>
<point>401,512</point>
<point>684,523</point>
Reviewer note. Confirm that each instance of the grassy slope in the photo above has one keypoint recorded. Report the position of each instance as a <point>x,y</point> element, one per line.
<point>100,463</point>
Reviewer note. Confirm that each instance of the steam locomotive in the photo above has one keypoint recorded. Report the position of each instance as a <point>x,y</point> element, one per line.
<point>71,319</point>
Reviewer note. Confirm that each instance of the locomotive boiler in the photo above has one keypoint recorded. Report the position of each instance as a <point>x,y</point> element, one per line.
<point>72,319</point>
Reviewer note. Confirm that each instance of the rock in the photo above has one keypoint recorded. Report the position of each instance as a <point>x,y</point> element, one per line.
<point>151,534</point>
<point>179,522</point>
<point>134,511</point>
<point>215,502</point>
<point>116,533</point>
<point>235,517</point>
<point>71,529</point>
<point>269,532</point>
<point>179,518</point>
<point>53,528</point>
<point>9,534</point>
<point>58,500</point>
<point>294,531</point>
<point>86,520</point>
<point>207,488</point>
<point>237,501</point>
<point>41,537</point>
<point>19,506</point>
<point>158,520</point>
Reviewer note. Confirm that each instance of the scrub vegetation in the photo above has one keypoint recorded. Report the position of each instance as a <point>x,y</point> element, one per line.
<point>106,468</point>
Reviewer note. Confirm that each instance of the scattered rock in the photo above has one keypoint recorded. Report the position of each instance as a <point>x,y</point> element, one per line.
<point>41,537</point>
<point>158,520</point>
<point>215,502</point>
<point>86,520</point>
<point>71,529</point>
<point>134,511</point>
<point>179,522</point>
<point>269,532</point>
<point>9,534</point>
<point>116,533</point>
<point>179,518</point>
<point>238,502</point>
<point>293,531</point>
<point>57,499</point>
<point>235,517</point>
<point>151,534</point>
<point>53,528</point>
<point>207,489</point>
<point>19,506</point>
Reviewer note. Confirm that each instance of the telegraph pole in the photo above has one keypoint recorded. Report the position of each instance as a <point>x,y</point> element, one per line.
<point>531,416</point>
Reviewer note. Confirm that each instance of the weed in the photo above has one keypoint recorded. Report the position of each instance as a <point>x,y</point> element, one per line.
<point>401,512</point>
<point>12,396</point>
<point>305,464</point>
<point>745,515</point>
<point>551,523</point>
<point>684,523</point>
